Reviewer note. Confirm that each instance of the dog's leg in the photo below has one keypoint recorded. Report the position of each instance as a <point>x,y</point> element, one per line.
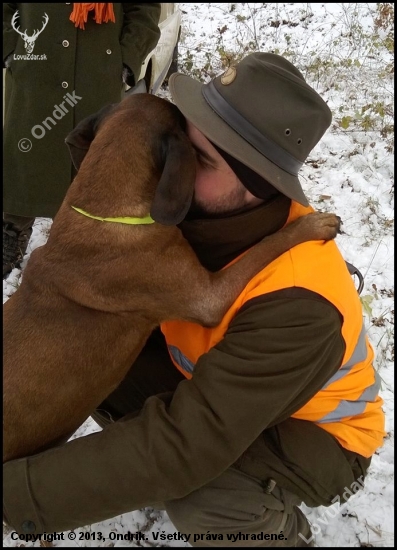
<point>225,285</point>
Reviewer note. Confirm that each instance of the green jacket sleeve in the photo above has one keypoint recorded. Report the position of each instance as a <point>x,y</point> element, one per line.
<point>274,358</point>
<point>10,37</point>
<point>140,34</point>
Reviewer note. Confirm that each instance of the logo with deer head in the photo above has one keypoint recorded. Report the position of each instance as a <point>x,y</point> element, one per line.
<point>29,40</point>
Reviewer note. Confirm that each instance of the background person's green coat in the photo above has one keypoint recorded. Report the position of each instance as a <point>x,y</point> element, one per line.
<point>86,64</point>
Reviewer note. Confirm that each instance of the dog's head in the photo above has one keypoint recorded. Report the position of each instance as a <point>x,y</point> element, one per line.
<point>172,153</point>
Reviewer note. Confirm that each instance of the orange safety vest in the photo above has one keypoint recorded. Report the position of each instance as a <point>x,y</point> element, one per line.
<point>348,405</point>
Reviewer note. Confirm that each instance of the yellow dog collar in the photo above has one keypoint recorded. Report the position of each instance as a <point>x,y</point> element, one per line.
<point>128,221</point>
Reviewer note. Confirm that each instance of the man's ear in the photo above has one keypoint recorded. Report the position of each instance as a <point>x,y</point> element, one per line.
<point>80,139</point>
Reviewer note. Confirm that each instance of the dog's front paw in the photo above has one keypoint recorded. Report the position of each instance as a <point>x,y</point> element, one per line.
<point>320,226</point>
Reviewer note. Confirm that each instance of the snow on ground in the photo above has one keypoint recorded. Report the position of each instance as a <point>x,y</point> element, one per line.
<point>344,50</point>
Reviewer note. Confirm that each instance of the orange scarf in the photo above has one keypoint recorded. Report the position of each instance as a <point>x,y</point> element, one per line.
<point>103,13</point>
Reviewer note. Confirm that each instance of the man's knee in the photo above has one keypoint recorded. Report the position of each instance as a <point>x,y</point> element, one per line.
<point>235,508</point>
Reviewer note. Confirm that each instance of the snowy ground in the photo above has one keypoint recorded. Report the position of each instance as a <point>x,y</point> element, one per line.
<point>344,50</point>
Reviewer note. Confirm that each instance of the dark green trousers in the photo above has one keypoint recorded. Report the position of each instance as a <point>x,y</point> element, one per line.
<point>254,503</point>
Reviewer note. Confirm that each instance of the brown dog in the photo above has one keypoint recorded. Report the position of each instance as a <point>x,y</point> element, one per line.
<point>92,295</point>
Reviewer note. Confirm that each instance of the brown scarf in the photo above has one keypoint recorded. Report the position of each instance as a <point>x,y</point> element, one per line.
<point>103,13</point>
<point>217,241</point>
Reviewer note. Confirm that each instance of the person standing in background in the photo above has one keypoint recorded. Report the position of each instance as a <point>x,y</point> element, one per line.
<point>63,62</point>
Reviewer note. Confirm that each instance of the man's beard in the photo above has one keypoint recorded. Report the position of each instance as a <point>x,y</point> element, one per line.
<point>222,207</point>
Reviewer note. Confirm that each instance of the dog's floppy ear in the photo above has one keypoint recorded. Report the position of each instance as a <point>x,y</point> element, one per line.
<point>80,139</point>
<point>175,189</point>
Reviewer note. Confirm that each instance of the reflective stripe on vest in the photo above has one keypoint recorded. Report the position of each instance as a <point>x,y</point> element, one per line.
<point>346,408</point>
<point>181,359</point>
<point>354,408</point>
<point>359,354</point>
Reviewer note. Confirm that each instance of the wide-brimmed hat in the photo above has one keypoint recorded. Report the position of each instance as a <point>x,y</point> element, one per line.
<point>262,112</point>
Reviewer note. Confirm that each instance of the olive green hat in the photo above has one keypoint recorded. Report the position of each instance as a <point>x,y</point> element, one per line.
<point>262,112</point>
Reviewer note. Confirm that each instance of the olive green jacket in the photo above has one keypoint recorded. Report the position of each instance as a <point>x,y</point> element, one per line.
<point>278,352</point>
<point>71,74</point>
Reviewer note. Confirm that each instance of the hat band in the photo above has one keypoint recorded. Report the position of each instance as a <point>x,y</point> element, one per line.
<point>261,143</point>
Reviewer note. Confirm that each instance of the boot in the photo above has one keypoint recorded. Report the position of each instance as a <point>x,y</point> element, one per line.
<point>14,246</point>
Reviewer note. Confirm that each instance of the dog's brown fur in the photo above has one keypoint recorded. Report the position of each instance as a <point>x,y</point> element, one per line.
<point>92,295</point>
